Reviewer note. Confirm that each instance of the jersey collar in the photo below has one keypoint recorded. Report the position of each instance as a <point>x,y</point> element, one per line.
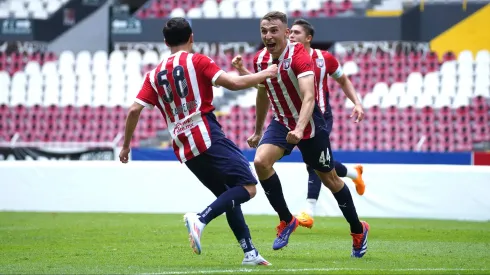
<point>281,57</point>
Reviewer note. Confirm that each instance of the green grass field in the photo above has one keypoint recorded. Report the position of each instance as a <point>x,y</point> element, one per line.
<point>67,243</point>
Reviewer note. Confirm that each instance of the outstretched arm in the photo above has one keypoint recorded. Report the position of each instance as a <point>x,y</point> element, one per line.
<point>234,82</point>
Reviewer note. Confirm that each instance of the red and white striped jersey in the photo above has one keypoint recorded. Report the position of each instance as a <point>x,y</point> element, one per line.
<point>283,91</point>
<point>325,63</point>
<point>181,86</point>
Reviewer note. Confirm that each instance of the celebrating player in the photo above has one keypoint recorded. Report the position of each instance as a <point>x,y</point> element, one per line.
<point>326,64</point>
<point>298,121</point>
<point>181,88</point>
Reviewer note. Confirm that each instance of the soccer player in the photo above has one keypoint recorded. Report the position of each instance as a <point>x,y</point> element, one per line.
<point>297,121</point>
<point>325,64</point>
<point>181,88</point>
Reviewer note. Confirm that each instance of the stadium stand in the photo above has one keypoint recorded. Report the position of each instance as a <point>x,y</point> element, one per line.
<point>38,9</point>
<point>407,98</point>
<point>246,8</point>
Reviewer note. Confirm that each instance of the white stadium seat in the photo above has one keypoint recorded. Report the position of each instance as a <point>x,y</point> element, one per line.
<point>194,13</point>
<point>68,96</point>
<point>380,89</point>
<point>397,89</point>
<point>227,9</point>
<point>406,101</point>
<point>244,9</point>
<point>260,8</point>
<point>424,100</point>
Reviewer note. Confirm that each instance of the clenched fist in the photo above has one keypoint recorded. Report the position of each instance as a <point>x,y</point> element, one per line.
<point>294,136</point>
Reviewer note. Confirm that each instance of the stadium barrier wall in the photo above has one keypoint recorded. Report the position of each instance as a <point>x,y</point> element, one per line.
<point>378,157</point>
<point>397,191</point>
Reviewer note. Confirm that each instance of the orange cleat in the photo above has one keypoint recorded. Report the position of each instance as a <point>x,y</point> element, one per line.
<point>305,220</point>
<point>359,182</point>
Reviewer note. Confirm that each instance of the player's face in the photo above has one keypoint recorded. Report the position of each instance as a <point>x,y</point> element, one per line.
<point>274,36</point>
<point>298,34</point>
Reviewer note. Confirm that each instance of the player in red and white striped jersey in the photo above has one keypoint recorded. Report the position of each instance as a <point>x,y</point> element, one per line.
<point>325,65</point>
<point>298,121</point>
<point>181,87</point>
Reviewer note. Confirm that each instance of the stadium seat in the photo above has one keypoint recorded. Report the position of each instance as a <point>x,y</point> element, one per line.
<point>483,57</point>
<point>210,9</point>
<point>260,8</point>
<point>103,85</point>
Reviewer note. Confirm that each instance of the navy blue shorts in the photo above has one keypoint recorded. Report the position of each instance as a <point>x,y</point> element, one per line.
<point>223,165</point>
<point>329,122</point>
<point>316,151</point>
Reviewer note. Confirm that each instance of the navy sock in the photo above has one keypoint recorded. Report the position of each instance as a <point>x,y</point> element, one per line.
<point>314,184</point>
<point>340,169</point>
<point>346,205</point>
<point>237,223</point>
<point>273,190</point>
<point>231,198</point>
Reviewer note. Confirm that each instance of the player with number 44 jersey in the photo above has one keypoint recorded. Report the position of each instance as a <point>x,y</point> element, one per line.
<point>298,121</point>
<point>181,87</point>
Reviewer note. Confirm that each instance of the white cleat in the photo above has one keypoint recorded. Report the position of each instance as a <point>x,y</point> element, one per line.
<point>254,258</point>
<point>193,227</point>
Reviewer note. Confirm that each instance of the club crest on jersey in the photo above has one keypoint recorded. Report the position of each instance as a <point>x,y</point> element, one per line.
<point>320,63</point>
<point>286,64</point>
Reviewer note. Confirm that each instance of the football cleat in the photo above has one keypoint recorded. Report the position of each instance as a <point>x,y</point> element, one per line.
<point>359,182</point>
<point>305,220</point>
<point>359,246</point>
<point>191,222</point>
<point>283,232</point>
<point>254,258</point>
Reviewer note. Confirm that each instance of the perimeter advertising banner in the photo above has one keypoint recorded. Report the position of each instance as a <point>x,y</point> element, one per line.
<point>35,153</point>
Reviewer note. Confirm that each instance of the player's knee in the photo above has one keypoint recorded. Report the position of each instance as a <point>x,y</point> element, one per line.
<point>261,164</point>
<point>252,190</point>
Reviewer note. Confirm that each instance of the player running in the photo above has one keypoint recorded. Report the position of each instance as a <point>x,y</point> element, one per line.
<point>181,87</point>
<point>326,64</point>
<point>297,121</point>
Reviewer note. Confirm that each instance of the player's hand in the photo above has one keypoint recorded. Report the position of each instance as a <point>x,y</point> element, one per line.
<point>254,140</point>
<point>237,62</point>
<point>272,71</point>
<point>359,112</point>
<point>124,155</point>
<point>294,136</point>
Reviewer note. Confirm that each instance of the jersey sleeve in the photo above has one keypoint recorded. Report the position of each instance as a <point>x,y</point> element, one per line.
<point>333,65</point>
<point>256,68</point>
<point>302,64</point>
<point>208,68</point>
<point>147,95</point>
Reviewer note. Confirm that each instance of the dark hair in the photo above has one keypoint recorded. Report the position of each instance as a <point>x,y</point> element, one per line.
<point>177,31</point>
<point>276,15</point>
<point>309,29</point>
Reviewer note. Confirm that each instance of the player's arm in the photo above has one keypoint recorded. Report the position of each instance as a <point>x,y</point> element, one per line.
<point>307,91</point>
<point>337,73</point>
<point>348,89</point>
<point>232,82</point>
<point>132,119</point>
<point>145,98</point>
<point>262,104</point>
<point>235,82</point>
<point>237,63</point>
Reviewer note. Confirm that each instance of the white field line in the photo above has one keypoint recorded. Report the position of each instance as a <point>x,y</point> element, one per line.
<point>283,270</point>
